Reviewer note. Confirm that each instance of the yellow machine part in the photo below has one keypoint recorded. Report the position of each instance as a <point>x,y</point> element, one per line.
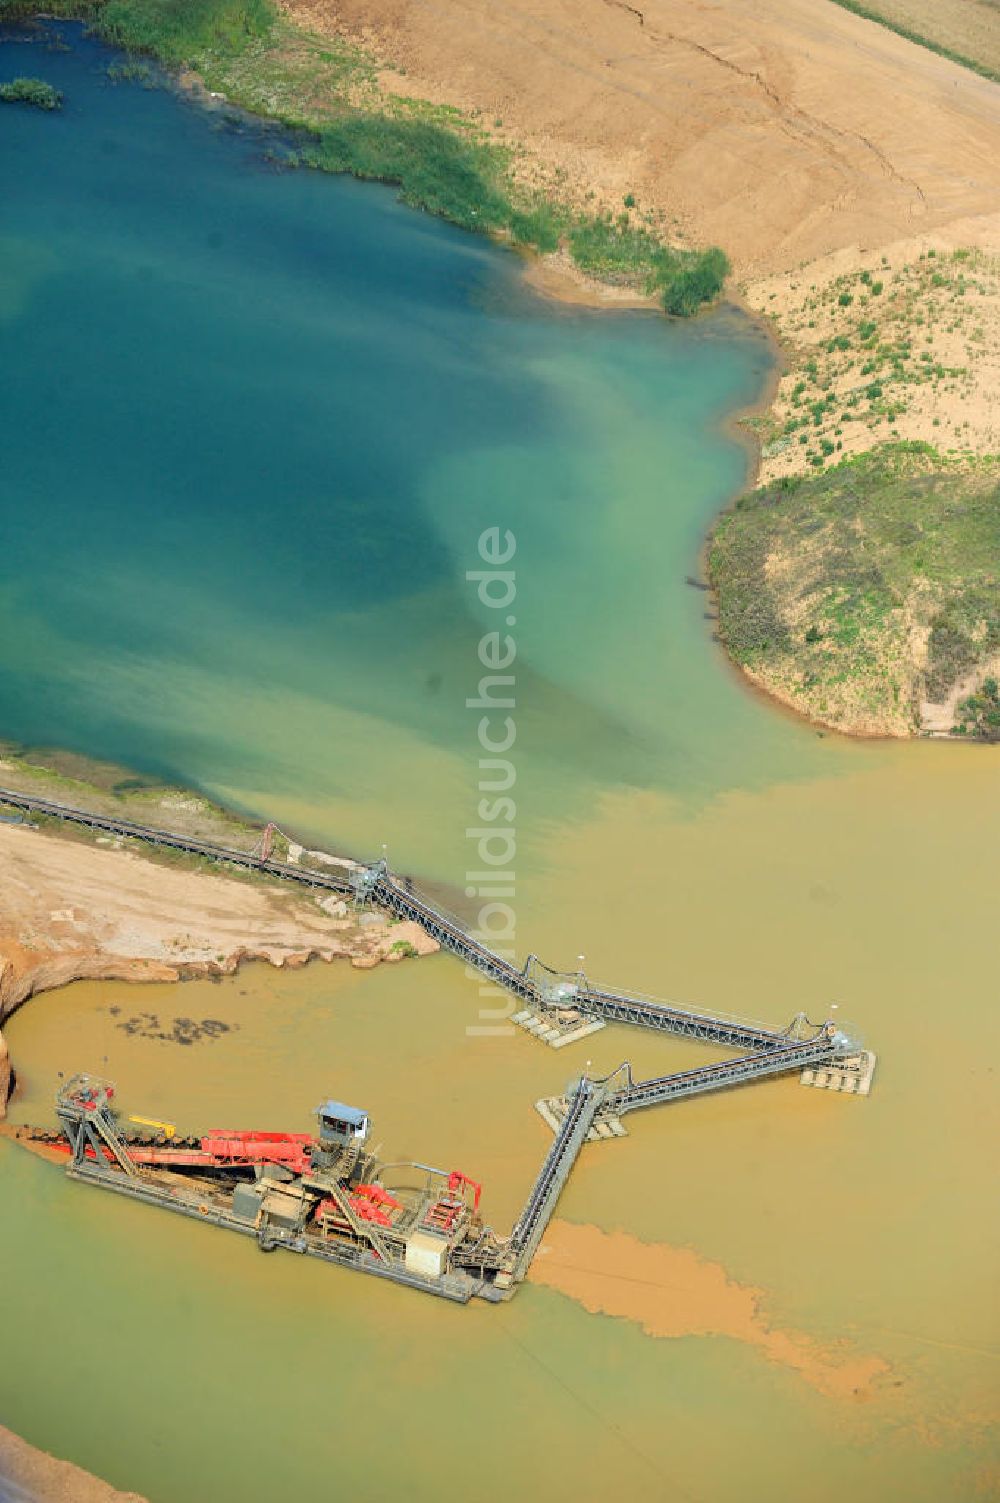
<point>167,1128</point>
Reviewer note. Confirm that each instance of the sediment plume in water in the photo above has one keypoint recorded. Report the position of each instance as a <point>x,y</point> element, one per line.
<point>671,1291</point>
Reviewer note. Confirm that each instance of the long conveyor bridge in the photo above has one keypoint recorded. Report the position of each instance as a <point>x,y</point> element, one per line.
<point>534,982</point>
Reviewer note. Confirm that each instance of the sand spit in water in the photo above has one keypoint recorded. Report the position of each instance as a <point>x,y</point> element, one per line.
<point>671,1292</point>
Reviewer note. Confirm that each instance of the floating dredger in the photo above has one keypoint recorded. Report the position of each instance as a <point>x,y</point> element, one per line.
<point>329,1196</point>
<point>326,1195</point>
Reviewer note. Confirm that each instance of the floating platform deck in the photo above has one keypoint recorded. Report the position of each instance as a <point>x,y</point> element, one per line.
<point>852,1075</point>
<point>557,1030</point>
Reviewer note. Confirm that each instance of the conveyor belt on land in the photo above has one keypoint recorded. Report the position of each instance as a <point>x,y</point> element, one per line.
<point>169,838</point>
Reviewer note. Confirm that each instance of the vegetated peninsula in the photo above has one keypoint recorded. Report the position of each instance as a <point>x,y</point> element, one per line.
<point>860,583</point>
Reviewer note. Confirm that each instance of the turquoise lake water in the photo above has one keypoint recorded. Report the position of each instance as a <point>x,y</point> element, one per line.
<point>252,424</point>
<point>258,424</point>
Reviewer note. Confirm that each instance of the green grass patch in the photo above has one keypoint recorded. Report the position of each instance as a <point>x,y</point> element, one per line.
<point>618,251</point>
<point>183,31</point>
<point>435,169</point>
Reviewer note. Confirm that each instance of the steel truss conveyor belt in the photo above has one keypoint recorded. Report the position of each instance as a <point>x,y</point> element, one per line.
<point>716,1077</point>
<point>592,1099</point>
<point>555,1171</point>
<point>617,1007</point>
<point>378,885</point>
<point>250,860</point>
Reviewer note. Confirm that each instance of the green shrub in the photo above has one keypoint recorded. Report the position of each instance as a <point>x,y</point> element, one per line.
<point>979,715</point>
<point>686,280</point>
<point>34,91</point>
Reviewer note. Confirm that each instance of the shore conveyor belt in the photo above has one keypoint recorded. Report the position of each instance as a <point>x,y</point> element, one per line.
<point>376,884</point>
<point>229,855</point>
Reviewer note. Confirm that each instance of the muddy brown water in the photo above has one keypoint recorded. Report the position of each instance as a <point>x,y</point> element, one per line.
<point>801,1281</point>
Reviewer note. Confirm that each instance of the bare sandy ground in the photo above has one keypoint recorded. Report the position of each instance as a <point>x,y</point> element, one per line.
<point>71,910</point>
<point>782,130</point>
<point>31,1476</point>
<point>920,302</point>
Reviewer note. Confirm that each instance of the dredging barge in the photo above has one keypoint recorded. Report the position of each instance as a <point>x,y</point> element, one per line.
<point>329,1197</point>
